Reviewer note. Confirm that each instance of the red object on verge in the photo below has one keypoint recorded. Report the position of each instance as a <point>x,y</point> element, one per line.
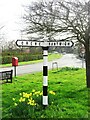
<point>14,61</point>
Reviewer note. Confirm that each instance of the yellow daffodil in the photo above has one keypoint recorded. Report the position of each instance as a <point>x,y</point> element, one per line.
<point>31,98</point>
<point>30,94</point>
<point>33,90</point>
<point>51,92</point>
<point>15,104</point>
<point>31,102</point>
<point>25,95</point>
<point>41,93</point>
<point>13,99</point>
<point>37,93</point>
<point>20,94</point>
<point>21,99</point>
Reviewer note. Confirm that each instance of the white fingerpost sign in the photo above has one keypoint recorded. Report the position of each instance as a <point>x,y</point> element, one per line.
<point>28,43</point>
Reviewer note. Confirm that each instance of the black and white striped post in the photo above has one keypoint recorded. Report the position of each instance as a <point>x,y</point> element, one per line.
<point>45,45</point>
<point>45,76</point>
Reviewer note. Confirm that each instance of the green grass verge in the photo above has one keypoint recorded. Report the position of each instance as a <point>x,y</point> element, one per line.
<point>70,99</point>
<point>50,58</point>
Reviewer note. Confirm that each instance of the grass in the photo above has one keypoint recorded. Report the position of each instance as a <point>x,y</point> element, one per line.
<point>50,58</point>
<point>70,99</point>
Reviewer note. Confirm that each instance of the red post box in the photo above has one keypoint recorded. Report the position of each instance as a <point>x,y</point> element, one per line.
<point>14,61</point>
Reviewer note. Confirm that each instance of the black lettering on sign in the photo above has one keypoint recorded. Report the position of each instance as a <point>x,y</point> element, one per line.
<point>31,43</point>
<point>39,43</point>
<point>35,43</point>
<point>49,43</point>
<point>54,43</point>
<point>60,43</point>
<point>57,43</point>
<point>26,43</point>
<point>68,43</point>
<point>22,42</point>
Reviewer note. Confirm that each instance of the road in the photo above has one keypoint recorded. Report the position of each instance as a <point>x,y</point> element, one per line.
<point>69,60</point>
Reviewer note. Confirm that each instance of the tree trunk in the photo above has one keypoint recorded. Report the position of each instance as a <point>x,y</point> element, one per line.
<point>87,48</point>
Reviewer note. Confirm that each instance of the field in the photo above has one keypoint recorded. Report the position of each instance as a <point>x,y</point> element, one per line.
<point>67,92</point>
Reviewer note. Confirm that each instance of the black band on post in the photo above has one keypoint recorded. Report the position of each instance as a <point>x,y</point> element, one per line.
<point>45,71</point>
<point>45,90</point>
<point>45,48</point>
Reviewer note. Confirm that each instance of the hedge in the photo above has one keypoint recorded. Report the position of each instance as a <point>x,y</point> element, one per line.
<point>21,58</point>
<point>0,60</point>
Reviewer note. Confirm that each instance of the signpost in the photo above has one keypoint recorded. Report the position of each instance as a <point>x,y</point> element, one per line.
<point>28,43</point>
<point>45,45</point>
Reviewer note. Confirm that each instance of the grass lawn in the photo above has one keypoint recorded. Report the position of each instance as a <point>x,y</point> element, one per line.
<point>50,58</point>
<point>67,92</point>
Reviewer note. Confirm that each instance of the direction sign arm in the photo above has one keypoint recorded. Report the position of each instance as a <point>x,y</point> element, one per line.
<point>28,43</point>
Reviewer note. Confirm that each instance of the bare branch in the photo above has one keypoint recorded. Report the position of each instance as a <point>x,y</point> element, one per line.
<point>52,17</point>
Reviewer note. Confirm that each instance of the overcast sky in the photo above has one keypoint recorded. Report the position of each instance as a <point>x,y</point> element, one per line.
<point>11,12</point>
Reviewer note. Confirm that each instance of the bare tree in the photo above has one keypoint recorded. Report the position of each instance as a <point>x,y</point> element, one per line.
<point>1,39</point>
<point>67,19</point>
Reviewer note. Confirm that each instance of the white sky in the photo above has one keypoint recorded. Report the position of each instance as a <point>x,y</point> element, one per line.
<point>11,12</point>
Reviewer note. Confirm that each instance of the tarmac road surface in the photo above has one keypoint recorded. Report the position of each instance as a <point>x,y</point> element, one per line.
<point>69,60</point>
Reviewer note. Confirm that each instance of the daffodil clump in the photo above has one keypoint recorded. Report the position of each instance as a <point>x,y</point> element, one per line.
<point>28,98</point>
<point>26,104</point>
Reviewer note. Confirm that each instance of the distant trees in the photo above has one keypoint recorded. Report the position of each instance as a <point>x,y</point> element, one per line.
<point>67,20</point>
<point>1,39</point>
<point>24,54</point>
